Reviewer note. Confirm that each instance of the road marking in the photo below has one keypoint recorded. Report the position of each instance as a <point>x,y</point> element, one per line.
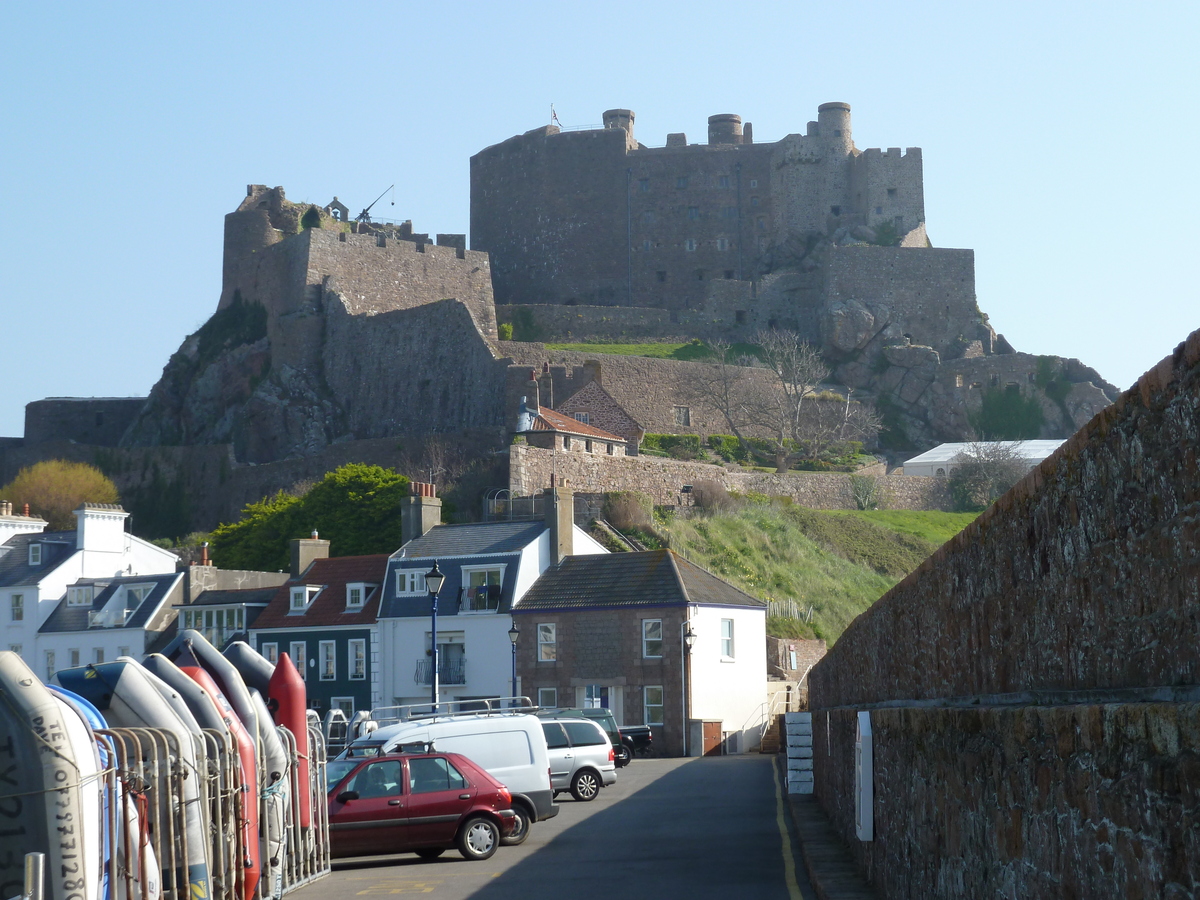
<point>400,887</point>
<point>789,861</point>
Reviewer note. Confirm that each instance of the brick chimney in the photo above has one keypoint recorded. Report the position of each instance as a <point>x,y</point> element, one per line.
<point>305,550</point>
<point>560,519</point>
<point>420,511</point>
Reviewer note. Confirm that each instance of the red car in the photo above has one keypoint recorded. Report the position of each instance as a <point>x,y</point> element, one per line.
<point>423,803</point>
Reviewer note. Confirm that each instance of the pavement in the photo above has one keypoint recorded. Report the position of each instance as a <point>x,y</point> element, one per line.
<point>826,858</point>
<point>690,828</point>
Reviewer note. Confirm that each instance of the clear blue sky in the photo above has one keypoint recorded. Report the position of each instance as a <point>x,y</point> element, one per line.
<point>1058,143</point>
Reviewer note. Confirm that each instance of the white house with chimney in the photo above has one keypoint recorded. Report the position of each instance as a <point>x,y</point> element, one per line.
<point>39,570</point>
<point>488,567</point>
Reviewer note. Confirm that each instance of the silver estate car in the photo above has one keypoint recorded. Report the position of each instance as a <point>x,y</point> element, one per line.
<point>581,757</point>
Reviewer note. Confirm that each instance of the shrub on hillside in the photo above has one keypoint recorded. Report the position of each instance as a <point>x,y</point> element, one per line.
<point>676,446</point>
<point>711,495</point>
<point>626,510</point>
<point>983,473</point>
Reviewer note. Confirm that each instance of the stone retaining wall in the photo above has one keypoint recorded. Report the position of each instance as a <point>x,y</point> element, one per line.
<point>530,469</point>
<point>1001,769</point>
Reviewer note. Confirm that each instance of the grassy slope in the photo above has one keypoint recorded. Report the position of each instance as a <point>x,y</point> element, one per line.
<point>839,563</point>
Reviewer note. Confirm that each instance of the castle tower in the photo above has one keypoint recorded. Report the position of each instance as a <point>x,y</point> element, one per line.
<point>620,118</point>
<point>725,128</point>
<point>833,121</point>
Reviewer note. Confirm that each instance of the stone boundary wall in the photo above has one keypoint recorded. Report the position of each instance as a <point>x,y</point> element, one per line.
<point>594,323</point>
<point>1033,683</point>
<point>530,469</point>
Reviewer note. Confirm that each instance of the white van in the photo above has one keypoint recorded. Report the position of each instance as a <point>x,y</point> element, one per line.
<point>509,744</point>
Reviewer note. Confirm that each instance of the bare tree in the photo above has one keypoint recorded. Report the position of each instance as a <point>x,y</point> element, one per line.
<point>798,369</point>
<point>726,388</point>
<point>827,424</point>
<point>983,472</point>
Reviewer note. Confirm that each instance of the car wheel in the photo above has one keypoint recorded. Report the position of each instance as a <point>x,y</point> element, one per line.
<point>520,827</point>
<point>431,852</point>
<point>478,838</point>
<point>585,785</point>
<point>621,756</point>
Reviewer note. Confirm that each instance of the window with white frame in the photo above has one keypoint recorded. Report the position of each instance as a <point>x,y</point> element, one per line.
<point>356,594</point>
<point>270,652</point>
<point>727,638</point>
<point>327,652</point>
<point>481,588</point>
<point>652,704</point>
<point>135,594</point>
<point>80,595</point>
<point>358,660</point>
<point>51,666</point>
<point>689,244</point>
<point>302,596</point>
<point>35,554</point>
<point>583,418</point>
<point>122,651</point>
<point>345,704</point>
<point>18,607</point>
<point>299,652</point>
<point>547,635</point>
<point>98,655</point>
<point>548,697</point>
<point>652,640</point>
<point>73,656</point>
<point>410,581</point>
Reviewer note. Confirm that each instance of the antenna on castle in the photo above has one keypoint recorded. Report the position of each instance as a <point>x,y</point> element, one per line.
<point>365,215</point>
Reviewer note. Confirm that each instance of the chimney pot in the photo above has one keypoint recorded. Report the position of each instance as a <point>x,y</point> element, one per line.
<point>26,510</point>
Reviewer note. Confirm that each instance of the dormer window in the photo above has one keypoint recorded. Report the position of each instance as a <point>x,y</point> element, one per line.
<point>80,595</point>
<point>302,596</point>
<point>135,594</point>
<point>35,554</point>
<point>410,581</point>
<point>481,588</point>
<point>356,595</point>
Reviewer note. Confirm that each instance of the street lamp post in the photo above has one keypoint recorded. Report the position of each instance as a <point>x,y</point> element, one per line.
<point>513,634</point>
<point>433,584</point>
<point>687,639</point>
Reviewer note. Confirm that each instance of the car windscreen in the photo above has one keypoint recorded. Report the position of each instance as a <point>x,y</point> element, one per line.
<point>336,770</point>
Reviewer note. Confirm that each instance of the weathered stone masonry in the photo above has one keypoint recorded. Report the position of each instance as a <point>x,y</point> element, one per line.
<point>1034,684</point>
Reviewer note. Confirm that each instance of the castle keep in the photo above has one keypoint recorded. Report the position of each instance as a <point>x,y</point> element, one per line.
<point>596,218</point>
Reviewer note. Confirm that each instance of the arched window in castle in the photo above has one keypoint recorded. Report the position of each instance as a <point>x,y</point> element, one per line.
<point>941,472</point>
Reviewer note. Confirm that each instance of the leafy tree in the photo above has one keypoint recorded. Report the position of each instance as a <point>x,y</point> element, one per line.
<point>355,507</point>
<point>1005,415</point>
<point>982,473</point>
<point>55,488</point>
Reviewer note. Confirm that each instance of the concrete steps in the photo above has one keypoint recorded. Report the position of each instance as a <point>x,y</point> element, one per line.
<point>798,740</point>
<point>772,739</point>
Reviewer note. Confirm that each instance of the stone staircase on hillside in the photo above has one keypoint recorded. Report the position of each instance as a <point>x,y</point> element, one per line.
<point>798,730</point>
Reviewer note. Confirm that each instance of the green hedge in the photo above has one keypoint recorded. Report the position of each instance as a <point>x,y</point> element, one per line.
<point>676,446</point>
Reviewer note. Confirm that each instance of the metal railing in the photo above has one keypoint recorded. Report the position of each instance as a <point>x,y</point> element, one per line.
<point>450,672</point>
<point>394,715</point>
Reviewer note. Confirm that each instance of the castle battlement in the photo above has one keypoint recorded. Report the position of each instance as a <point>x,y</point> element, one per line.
<point>594,217</point>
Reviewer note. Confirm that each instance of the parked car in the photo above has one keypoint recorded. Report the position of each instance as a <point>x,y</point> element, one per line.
<point>638,738</point>
<point>421,803</point>
<point>581,757</point>
<point>622,751</point>
<point>509,746</point>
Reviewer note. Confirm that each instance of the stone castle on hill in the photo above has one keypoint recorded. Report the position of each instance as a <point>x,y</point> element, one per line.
<point>337,340</point>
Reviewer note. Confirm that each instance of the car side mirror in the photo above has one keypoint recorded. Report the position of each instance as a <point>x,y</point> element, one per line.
<point>347,796</point>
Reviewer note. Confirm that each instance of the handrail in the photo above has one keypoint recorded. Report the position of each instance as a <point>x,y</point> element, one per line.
<point>394,715</point>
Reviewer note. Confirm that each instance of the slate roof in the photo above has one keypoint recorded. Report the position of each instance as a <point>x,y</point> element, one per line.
<point>615,580</point>
<point>58,546</point>
<point>477,539</point>
<point>329,606</point>
<point>549,420</point>
<point>75,618</point>
<point>248,596</point>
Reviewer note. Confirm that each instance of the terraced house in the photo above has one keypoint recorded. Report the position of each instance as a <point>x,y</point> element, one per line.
<point>324,617</point>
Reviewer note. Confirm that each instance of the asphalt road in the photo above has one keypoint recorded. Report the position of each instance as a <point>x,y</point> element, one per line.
<point>668,828</point>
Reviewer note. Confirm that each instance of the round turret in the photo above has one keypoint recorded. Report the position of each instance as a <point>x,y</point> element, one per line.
<point>725,128</point>
<point>619,118</point>
<point>833,120</point>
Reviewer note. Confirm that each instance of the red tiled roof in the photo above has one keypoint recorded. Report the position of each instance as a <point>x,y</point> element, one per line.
<point>329,606</point>
<point>549,420</point>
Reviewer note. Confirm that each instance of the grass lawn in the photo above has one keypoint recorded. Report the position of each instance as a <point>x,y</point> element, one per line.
<point>693,351</point>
